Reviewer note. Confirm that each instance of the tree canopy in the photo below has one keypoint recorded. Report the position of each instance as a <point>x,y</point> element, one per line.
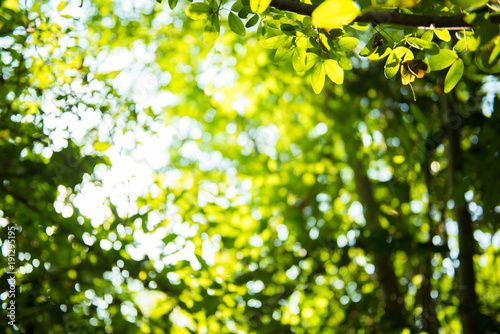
<point>249,166</point>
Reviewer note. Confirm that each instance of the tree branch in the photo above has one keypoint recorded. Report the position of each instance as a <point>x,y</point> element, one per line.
<point>391,18</point>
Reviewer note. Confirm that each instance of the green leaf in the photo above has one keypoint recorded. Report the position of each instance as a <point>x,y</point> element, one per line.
<point>464,4</point>
<point>442,60</point>
<point>482,62</point>
<point>428,36</point>
<point>301,41</point>
<point>402,51</point>
<point>169,238</point>
<point>333,14</point>
<point>380,53</point>
<point>368,49</point>
<point>100,146</point>
<point>347,43</point>
<point>62,5</point>
<point>236,24</point>
<point>306,21</point>
<point>212,30</point>
<point>237,6</point>
<point>244,12</point>
<point>259,6</point>
<point>252,21</point>
<point>392,65</point>
<point>149,112</point>
<point>274,42</point>
<point>418,42</point>
<point>105,76</point>
<point>282,54</point>
<point>345,63</point>
<point>299,60</point>
<point>454,75</point>
<point>214,5</point>
<point>311,60</point>
<point>198,11</point>
<point>289,29</point>
<point>360,26</point>
<point>423,44</point>
<point>376,47</point>
<point>172,3</point>
<point>334,71</point>
<point>494,53</point>
<point>468,42</point>
<point>443,34</point>
<point>318,77</point>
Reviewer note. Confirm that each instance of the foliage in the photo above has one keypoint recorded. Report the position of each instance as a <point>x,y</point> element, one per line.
<point>330,36</point>
<point>263,207</point>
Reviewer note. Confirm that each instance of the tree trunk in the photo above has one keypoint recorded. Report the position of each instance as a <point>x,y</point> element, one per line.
<point>395,305</point>
<point>430,323</point>
<point>465,273</point>
<point>396,316</point>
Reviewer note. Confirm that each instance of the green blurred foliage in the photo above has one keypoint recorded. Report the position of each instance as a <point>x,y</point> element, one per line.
<point>304,213</point>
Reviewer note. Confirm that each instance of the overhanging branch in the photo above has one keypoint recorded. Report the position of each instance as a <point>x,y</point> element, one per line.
<point>389,18</point>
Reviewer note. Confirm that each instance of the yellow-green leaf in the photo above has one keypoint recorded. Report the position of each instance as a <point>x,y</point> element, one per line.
<point>149,111</point>
<point>380,53</point>
<point>428,35</point>
<point>419,43</point>
<point>347,43</point>
<point>212,30</point>
<point>61,5</point>
<point>392,65</point>
<point>454,75</point>
<point>299,59</point>
<point>334,71</point>
<point>402,51</point>
<point>494,52</point>
<point>443,34</point>
<point>442,60</point>
<point>100,146</point>
<point>469,3</point>
<point>282,54</point>
<point>198,11</point>
<point>259,6</point>
<point>318,77</point>
<point>311,60</point>
<point>274,42</point>
<point>469,43</point>
<point>345,63</point>
<point>335,14</point>
<point>301,41</point>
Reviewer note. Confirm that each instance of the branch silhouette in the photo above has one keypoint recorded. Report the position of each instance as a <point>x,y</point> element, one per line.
<point>390,18</point>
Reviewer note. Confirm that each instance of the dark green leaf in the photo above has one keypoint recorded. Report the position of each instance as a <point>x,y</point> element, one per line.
<point>236,25</point>
<point>252,21</point>
<point>172,3</point>
<point>212,30</point>
<point>198,11</point>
